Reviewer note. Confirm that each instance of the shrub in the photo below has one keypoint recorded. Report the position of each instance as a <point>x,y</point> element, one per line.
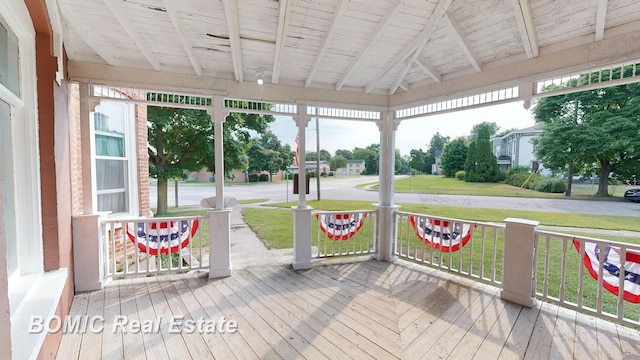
<point>460,175</point>
<point>253,177</point>
<point>331,173</point>
<point>263,177</point>
<point>551,185</point>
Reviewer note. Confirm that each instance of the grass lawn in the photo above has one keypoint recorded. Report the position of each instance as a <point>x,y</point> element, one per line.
<point>436,184</point>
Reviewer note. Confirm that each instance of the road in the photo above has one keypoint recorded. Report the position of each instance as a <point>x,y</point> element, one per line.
<point>345,188</point>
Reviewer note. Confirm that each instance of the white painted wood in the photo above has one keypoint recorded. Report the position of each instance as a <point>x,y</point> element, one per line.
<point>601,14</point>
<point>526,27</point>
<point>283,19</point>
<point>458,35</point>
<point>177,24</point>
<point>231,14</point>
<point>429,70</point>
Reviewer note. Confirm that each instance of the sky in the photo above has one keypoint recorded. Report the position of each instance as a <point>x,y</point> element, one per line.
<point>411,134</point>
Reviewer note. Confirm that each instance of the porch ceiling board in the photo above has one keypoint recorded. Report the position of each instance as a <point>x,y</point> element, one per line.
<point>353,46</point>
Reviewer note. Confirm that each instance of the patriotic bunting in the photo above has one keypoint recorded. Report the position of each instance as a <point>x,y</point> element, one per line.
<point>162,237</point>
<point>437,233</point>
<point>341,226</point>
<point>611,268</point>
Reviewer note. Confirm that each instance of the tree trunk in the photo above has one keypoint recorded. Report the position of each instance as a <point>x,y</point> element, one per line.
<point>603,181</point>
<point>569,179</point>
<point>162,197</point>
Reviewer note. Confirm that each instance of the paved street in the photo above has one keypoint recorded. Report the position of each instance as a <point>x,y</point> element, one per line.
<point>345,188</point>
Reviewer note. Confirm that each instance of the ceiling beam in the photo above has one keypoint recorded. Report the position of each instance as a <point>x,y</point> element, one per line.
<point>325,43</point>
<point>231,16</point>
<point>460,39</point>
<point>404,86</point>
<point>283,20</point>
<point>175,19</point>
<point>526,28</point>
<point>436,76</point>
<point>124,21</point>
<point>369,43</point>
<point>418,42</point>
<point>89,37</point>
<point>405,69</point>
<point>600,19</point>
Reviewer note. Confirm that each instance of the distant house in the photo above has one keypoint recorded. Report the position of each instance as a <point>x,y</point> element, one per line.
<point>435,167</point>
<point>239,176</point>
<point>516,149</point>
<point>353,167</point>
<point>311,165</point>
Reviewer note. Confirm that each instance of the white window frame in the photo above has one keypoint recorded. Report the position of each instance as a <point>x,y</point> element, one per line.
<point>130,158</point>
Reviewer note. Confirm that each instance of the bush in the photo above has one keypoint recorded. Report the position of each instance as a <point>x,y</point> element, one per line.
<point>331,173</point>
<point>460,175</point>
<point>551,185</point>
<point>253,177</point>
<point>263,177</point>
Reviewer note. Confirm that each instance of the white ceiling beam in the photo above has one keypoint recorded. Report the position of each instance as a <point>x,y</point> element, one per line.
<point>526,28</point>
<point>88,36</point>
<point>600,19</point>
<point>436,76</point>
<point>369,43</point>
<point>231,16</point>
<point>283,20</point>
<point>404,86</point>
<point>418,41</point>
<point>405,69</point>
<point>124,21</point>
<point>325,43</point>
<point>177,24</point>
<point>462,42</point>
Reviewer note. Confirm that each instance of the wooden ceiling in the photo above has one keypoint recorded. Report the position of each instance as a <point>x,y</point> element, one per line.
<point>406,50</point>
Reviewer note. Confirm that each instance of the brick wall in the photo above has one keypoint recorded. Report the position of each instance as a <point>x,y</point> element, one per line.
<point>75,149</point>
<point>143,160</point>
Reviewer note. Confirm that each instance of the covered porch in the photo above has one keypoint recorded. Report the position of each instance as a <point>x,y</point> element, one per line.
<point>354,308</point>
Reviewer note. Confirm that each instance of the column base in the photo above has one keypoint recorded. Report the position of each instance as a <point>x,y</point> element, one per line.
<point>518,299</point>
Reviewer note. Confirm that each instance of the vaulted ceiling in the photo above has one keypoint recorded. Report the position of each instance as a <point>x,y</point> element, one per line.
<point>410,49</point>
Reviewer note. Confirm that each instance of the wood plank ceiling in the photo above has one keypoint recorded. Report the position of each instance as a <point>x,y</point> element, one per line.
<point>367,46</point>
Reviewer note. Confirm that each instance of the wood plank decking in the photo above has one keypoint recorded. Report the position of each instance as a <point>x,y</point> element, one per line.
<point>342,309</point>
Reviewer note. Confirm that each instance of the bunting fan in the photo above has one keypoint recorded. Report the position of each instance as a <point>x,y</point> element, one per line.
<point>341,226</point>
<point>438,234</point>
<point>162,237</point>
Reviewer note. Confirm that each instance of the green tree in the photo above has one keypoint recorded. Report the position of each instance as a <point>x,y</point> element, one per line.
<point>492,126</point>
<point>454,156</point>
<point>370,155</point>
<point>416,159</point>
<point>437,143</point>
<point>337,162</point>
<point>345,154</point>
<point>181,140</point>
<point>481,165</point>
<point>324,155</point>
<point>398,162</point>
<point>595,130</point>
<point>268,154</point>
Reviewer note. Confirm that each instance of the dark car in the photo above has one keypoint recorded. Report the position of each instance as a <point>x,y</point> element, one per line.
<point>632,195</point>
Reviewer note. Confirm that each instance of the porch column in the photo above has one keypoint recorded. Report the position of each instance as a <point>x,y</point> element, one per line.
<point>302,212</point>
<point>87,146</point>
<point>219,218</point>
<point>386,226</point>
<point>517,281</point>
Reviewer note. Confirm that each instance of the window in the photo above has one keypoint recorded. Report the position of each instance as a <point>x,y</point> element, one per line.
<point>114,129</point>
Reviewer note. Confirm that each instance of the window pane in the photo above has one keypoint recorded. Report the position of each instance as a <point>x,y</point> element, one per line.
<point>109,146</point>
<point>110,174</point>
<point>9,59</point>
<point>8,196</point>
<point>115,202</point>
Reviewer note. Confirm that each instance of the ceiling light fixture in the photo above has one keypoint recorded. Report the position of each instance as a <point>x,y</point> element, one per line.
<point>259,74</point>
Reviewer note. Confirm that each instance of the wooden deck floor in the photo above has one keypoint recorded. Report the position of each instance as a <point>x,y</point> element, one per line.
<point>357,309</point>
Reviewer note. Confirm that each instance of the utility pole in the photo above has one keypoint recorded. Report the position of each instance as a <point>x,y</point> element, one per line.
<point>570,167</point>
<point>318,156</point>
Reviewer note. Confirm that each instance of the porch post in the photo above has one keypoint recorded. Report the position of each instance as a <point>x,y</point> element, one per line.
<point>219,218</point>
<point>302,212</point>
<point>87,147</point>
<point>517,282</point>
<point>386,227</point>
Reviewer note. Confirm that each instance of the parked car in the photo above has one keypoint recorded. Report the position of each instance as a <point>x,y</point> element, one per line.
<point>632,195</point>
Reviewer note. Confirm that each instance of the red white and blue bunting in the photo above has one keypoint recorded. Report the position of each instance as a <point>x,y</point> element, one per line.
<point>162,237</point>
<point>341,226</point>
<point>611,268</point>
<point>438,234</point>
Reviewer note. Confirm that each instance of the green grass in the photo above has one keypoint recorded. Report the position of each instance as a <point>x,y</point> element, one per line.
<point>432,184</point>
<point>252,201</point>
<point>203,228</point>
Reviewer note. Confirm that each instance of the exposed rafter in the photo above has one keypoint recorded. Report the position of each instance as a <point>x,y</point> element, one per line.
<point>404,86</point>
<point>124,21</point>
<point>436,76</point>
<point>325,43</point>
<point>600,19</point>
<point>283,19</point>
<point>231,16</point>
<point>405,69</point>
<point>524,20</point>
<point>459,36</point>
<point>418,42</point>
<point>370,42</point>
<point>89,38</point>
<point>175,20</point>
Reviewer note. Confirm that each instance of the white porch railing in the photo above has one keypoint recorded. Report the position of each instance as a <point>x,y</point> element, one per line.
<point>470,249</point>
<point>144,246</point>
<point>344,233</point>
<point>572,264</point>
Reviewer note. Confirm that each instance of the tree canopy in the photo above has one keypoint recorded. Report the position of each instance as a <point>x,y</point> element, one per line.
<point>454,156</point>
<point>181,140</point>
<point>481,164</point>
<point>595,130</point>
<point>268,154</point>
<point>370,155</point>
<point>491,126</point>
<point>437,142</point>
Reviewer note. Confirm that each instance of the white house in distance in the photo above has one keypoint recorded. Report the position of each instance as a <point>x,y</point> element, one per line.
<point>435,167</point>
<point>354,167</point>
<point>516,149</point>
